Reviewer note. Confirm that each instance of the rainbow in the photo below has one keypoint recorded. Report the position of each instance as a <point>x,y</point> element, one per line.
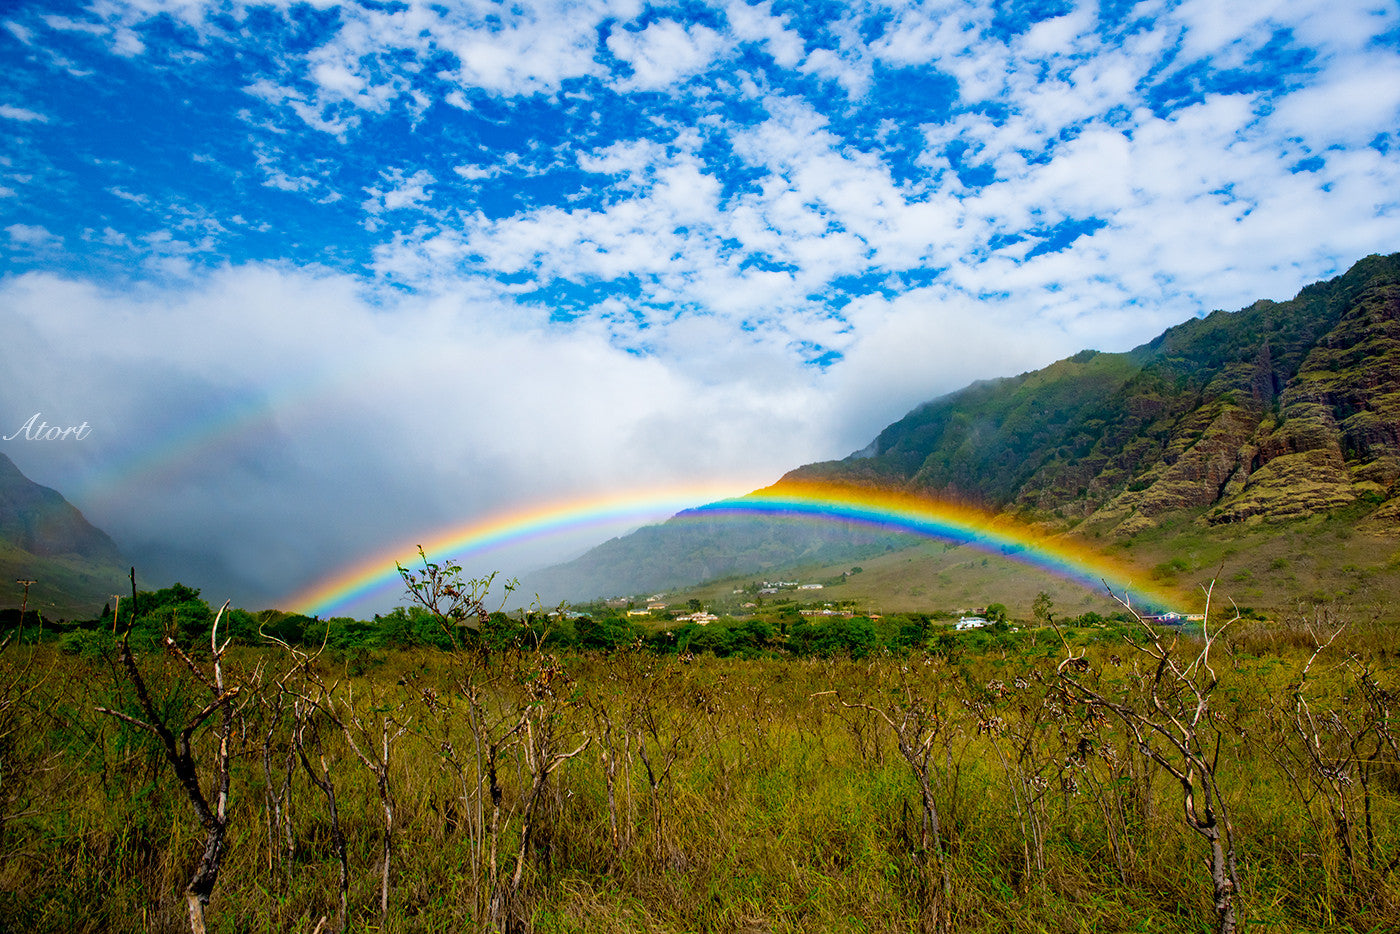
<point>878,510</point>
<point>378,574</point>
<point>211,435</point>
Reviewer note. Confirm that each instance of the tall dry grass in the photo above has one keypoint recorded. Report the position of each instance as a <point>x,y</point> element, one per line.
<point>634,792</point>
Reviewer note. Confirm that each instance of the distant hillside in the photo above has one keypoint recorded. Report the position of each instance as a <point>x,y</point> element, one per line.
<point>1272,414</point>
<point>691,548</point>
<point>76,567</point>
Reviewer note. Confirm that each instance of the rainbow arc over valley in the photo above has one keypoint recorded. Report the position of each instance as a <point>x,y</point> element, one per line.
<point>378,575</point>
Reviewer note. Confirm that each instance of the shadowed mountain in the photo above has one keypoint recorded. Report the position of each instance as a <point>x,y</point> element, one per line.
<point>1267,416</point>
<point>76,567</point>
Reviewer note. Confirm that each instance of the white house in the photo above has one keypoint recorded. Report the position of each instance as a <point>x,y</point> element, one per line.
<point>970,622</point>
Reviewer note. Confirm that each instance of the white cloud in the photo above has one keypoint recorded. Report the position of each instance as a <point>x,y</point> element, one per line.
<point>131,196</point>
<point>535,50</point>
<point>20,32</point>
<point>10,112</point>
<point>400,191</point>
<point>757,23</point>
<point>32,236</point>
<point>1369,86</point>
<point>336,79</point>
<point>312,113</point>
<point>68,24</point>
<point>127,44</point>
<point>852,72</point>
<point>1057,36</point>
<point>664,53</point>
<point>473,173</point>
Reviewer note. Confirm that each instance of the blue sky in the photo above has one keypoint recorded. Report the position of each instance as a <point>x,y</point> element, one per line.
<point>327,275</point>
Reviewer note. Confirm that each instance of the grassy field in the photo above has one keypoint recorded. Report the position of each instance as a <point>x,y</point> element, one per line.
<point>929,575</point>
<point>1035,785</point>
<point>1274,568</point>
<point>66,587</point>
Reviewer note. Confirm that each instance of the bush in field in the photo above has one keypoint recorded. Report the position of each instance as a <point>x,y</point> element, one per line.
<point>605,634</point>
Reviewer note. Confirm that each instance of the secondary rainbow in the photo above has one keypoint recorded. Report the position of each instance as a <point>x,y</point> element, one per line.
<point>817,502</point>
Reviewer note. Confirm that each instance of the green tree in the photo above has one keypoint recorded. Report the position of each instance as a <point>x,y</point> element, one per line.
<point>454,603</point>
<point>604,634</point>
<point>752,635</point>
<point>1042,608</point>
<point>714,639</point>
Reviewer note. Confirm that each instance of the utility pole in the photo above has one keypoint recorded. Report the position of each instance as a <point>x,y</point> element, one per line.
<point>24,606</point>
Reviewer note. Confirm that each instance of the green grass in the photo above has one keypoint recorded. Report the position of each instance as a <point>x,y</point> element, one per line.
<point>66,587</point>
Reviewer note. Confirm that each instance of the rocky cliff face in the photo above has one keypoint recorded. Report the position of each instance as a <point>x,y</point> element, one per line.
<point>1329,437</point>
<point>1277,411</point>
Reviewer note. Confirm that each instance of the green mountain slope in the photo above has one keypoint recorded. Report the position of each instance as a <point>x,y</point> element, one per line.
<point>75,567</point>
<point>1255,420</point>
<point>1278,410</point>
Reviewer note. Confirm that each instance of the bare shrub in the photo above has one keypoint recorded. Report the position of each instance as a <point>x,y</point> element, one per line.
<point>175,737</point>
<point>1170,720</point>
<point>921,728</point>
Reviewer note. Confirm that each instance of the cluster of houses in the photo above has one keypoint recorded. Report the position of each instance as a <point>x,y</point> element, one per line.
<point>1172,619</point>
<point>772,587</point>
<point>657,604</point>
<point>843,614</point>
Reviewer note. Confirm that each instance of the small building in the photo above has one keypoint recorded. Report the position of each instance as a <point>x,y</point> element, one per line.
<point>970,622</point>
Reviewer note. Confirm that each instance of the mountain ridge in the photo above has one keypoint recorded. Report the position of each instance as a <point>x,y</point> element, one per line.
<point>1277,412</point>
<point>1213,400</point>
<point>75,566</point>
